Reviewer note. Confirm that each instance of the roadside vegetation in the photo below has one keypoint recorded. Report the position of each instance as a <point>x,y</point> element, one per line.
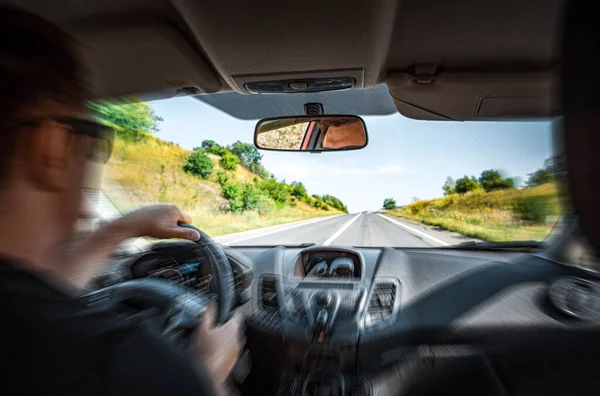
<point>491,208</point>
<point>225,189</point>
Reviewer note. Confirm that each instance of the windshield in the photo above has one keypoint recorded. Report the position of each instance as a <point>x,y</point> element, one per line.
<point>416,184</point>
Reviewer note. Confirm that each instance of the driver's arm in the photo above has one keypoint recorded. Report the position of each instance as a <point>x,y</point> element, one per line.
<point>77,260</point>
<point>154,365</point>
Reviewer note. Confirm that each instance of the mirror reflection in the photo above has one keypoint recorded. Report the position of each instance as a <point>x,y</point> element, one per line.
<point>311,133</point>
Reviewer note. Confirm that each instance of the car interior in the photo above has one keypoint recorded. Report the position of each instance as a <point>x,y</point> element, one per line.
<point>340,320</point>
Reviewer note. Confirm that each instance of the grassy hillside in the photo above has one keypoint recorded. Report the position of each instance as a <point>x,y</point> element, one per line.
<point>150,171</point>
<point>504,215</point>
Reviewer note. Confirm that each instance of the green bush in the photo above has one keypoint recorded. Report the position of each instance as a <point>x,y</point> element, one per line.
<point>259,170</point>
<point>222,178</point>
<point>264,205</point>
<point>418,207</point>
<point>250,196</point>
<point>536,208</point>
<point>229,161</point>
<point>466,184</point>
<point>492,180</point>
<point>334,202</point>
<point>449,201</point>
<point>246,196</point>
<point>210,146</point>
<point>319,204</point>
<point>220,151</point>
<point>389,203</point>
<point>544,175</point>
<point>199,164</point>
<point>278,192</point>
<point>234,193</point>
<point>298,190</point>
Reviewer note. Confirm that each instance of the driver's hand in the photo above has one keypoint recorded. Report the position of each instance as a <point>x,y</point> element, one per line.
<point>218,347</point>
<point>158,221</point>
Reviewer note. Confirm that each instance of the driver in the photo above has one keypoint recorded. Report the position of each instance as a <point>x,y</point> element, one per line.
<point>342,132</point>
<point>51,343</point>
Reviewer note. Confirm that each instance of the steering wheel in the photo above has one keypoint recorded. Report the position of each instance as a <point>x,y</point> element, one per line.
<point>178,305</point>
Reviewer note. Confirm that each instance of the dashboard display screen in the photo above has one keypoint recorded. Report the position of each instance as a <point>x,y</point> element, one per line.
<point>329,264</point>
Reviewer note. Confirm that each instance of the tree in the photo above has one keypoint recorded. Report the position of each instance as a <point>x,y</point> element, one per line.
<point>298,190</point>
<point>229,161</point>
<point>449,187</point>
<point>334,202</point>
<point>389,203</point>
<point>199,164</point>
<point>492,180</point>
<point>210,146</point>
<point>259,170</point>
<point>466,184</point>
<point>542,176</point>
<point>248,153</point>
<point>131,121</point>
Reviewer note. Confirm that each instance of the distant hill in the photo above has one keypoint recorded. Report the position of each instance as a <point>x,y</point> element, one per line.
<point>151,171</point>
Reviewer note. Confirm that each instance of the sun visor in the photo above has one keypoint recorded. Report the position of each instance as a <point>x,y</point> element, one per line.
<point>464,96</point>
<point>151,62</point>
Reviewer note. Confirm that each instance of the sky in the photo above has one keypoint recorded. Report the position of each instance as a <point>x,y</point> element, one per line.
<point>405,159</point>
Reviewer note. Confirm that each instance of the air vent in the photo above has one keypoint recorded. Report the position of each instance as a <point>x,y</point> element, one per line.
<point>381,304</point>
<point>268,295</point>
<point>576,297</point>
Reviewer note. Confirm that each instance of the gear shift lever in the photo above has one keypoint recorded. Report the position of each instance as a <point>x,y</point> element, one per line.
<point>321,325</point>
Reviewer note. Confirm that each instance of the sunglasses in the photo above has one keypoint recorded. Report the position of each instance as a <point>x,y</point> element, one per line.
<point>104,136</point>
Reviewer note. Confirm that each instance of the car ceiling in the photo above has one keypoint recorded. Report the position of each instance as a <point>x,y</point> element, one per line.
<point>160,49</point>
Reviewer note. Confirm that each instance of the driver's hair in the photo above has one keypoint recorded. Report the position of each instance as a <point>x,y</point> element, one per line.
<point>38,66</point>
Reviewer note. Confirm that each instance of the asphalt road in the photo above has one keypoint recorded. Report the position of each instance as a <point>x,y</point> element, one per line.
<point>358,229</point>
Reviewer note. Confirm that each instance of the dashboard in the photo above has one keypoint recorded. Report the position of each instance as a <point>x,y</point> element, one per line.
<point>349,313</point>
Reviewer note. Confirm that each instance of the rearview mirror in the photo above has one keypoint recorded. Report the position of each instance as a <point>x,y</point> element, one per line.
<point>311,133</point>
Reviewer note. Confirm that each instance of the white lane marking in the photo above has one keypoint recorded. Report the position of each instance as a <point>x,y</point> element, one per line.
<point>415,231</point>
<point>339,232</point>
<point>245,238</point>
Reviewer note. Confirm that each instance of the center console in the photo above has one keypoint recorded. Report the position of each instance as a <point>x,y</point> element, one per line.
<point>309,319</point>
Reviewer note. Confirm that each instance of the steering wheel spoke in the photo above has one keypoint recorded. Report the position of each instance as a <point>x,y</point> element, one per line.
<point>180,308</point>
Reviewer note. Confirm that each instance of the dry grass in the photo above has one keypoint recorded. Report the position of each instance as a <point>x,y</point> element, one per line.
<point>150,172</point>
<point>506,215</point>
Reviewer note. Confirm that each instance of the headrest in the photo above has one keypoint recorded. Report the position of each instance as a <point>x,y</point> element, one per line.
<point>581,108</point>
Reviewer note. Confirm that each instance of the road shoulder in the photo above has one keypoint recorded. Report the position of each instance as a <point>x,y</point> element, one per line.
<point>259,232</point>
<point>434,234</point>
